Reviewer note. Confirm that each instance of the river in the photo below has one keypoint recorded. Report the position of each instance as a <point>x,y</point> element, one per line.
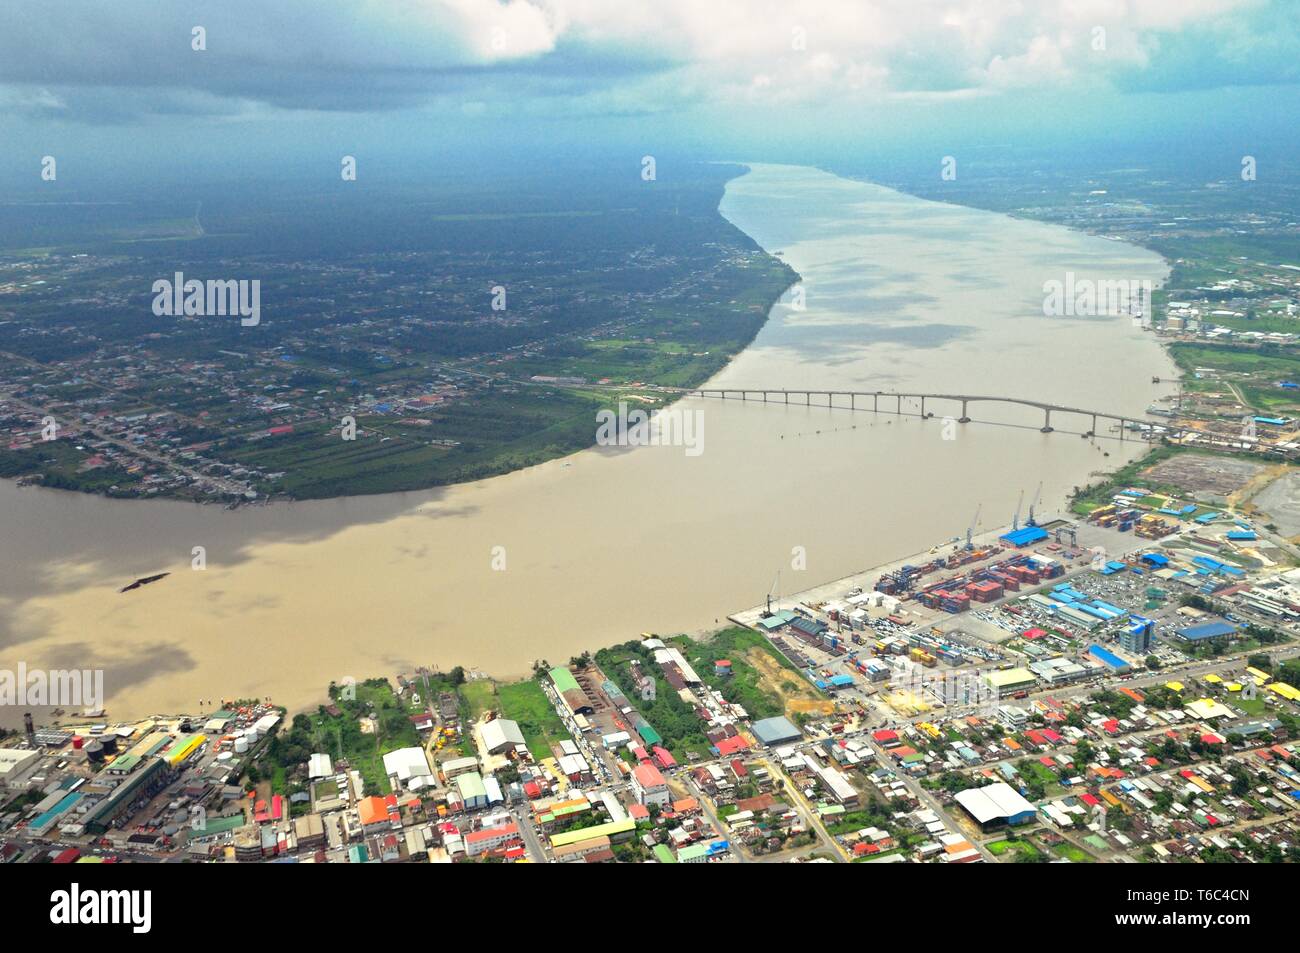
<point>599,547</point>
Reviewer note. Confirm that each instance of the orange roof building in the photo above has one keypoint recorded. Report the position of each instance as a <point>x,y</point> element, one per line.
<point>375,810</point>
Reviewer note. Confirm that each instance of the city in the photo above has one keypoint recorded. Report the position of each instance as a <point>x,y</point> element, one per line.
<point>514,432</point>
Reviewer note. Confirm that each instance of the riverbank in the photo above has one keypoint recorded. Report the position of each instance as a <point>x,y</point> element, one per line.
<point>591,549</point>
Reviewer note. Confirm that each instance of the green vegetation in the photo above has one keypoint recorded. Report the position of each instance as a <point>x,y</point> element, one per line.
<point>58,465</point>
<point>681,729</point>
<point>384,311</point>
<point>1088,498</point>
<point>341,737</point>
<point>1022,851</point>
<point>745,686</point>
<point>526,703</point>
<point>1072,853</point>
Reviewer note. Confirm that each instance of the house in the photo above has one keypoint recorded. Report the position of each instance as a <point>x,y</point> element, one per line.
<point>490,838</point>
<point>649,785</point>
<point>377,810</point>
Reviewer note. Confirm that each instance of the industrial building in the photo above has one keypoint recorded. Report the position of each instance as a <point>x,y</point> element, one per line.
<point>1215,629</point>
<point>1058,671</point>
<point>1010,679</point>
<point>1108,658</point>
<point>473,795</point>
<point>1025,536</point>
<point>567,687</point>
<point>775,731</point>
<point>409,766</point>
<point>151,778</point>
<point>995,805</point>
<point>16,765</point>
<point>502,735</point>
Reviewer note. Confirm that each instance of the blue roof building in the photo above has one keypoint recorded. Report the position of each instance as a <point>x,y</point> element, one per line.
<point>1206,630</point>
<point>1025,536</point>
<point>1110,659</point>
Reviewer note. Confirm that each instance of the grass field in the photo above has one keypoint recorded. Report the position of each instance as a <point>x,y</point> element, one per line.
<point>1019,849</point>
<point>761,694</point>
<point>526,703</point>
<point>342,737</point>
<point>1075,855</point>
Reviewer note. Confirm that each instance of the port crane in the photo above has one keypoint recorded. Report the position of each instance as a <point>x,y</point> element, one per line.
<point>776,585</point>
<point>1037,493</point>
<point>1015,520</point>
<point>971,528</point>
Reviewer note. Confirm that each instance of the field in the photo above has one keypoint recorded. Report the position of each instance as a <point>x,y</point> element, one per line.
<point>526,703</point>
<point>1020,851</point>
<point>763,682</point>
<point>341,736</point>
<point>1202,473</point>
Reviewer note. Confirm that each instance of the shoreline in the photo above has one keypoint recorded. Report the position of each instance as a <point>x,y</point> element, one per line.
<point>455,625</point>
<point>747,167</point>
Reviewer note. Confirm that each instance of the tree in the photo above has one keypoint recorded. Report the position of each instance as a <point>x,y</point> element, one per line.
<point>1153,663</point>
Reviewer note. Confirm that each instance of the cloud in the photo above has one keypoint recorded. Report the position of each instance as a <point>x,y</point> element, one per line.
<point>109,62</point>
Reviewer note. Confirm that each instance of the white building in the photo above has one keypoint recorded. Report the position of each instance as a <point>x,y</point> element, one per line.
<point>15,766</point>
<point>501,735</point>
<point>408,765</point>
<point>649,785</point>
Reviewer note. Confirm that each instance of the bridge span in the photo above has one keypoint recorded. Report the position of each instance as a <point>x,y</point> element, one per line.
<point>856,400</point>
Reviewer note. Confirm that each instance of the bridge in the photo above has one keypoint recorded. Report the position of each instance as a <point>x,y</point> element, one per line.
<point>850,400</point>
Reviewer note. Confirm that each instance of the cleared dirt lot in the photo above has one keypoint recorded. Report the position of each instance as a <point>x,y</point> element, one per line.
<point>777,679</point>
<point>1205,476</point>
<point>1281,501</point>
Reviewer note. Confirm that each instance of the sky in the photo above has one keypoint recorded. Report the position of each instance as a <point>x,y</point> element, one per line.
<point>122,87</point>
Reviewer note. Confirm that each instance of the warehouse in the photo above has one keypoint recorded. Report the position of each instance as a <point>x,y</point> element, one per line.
<point>1010,679</point>
<point>1057,671</point>
<point>775,731</point>
<point>995,805</point>
<point>1025,536</point>
<point>409,766</point>
<point>472,792</point>
<point>566,686</point>
<point>502,735</point>
<point>1206,630</point>
<point>1108,658</point>
<point>143,784</point>
<point>15,766</point>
